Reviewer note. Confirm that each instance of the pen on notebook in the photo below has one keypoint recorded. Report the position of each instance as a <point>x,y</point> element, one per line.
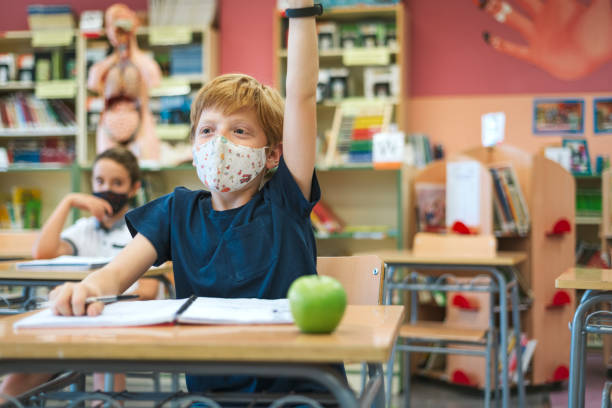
<point>184,307</point>
<point>103,299</point>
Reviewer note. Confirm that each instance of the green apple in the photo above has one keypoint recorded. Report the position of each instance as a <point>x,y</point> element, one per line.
<point>317,303</point>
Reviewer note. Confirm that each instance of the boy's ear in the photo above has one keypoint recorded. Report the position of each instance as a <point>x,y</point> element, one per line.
<point>134,189</point>
<point>274,154</point>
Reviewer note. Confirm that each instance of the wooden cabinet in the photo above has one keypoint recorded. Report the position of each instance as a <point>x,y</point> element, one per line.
<point>548,190</point>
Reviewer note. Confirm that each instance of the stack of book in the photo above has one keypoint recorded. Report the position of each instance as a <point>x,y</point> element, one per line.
<point>22,209</point>
<point>50,17</point>
<point>510,212</point>
<point>186,60</point>
<point>25,112</point>
<point>324,220</point>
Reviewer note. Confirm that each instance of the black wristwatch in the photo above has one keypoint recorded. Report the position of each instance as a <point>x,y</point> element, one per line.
<point>315,10</point>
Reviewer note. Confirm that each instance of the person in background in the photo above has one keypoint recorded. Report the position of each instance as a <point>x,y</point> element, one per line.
<point>115,180</point>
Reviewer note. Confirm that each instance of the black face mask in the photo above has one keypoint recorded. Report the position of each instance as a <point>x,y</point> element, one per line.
<point>116,200</point>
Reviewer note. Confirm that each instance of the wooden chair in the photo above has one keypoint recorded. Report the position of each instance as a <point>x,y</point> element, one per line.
<point>362,277</point>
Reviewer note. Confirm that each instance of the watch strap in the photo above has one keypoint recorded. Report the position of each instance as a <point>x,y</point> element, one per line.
<point>315,10</point>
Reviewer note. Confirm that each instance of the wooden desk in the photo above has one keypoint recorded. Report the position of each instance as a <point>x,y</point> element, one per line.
<point>408,257</point>
<point>10,273</point>
<point>366,333</point>
<point>585,278</point>
<point>497,267</point>
<point>11,276</point>
<point>598,286</point>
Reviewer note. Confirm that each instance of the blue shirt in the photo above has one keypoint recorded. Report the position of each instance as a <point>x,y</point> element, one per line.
<point>256,250</point>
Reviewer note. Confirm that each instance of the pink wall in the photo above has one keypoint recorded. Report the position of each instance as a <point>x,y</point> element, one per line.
<point>246,38</point>
<point>449,57</point>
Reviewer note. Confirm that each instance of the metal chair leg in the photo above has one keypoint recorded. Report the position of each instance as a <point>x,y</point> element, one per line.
<point>407,377</point>
<point>389,374</point>
<point>605,395</point>
<point>517,332</point>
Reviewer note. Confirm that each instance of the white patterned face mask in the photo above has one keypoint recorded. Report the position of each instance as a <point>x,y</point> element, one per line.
<point>224,166</point>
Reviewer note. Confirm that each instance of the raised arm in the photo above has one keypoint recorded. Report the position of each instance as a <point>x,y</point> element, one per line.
<point>131,263</point>
<point>300,122</point>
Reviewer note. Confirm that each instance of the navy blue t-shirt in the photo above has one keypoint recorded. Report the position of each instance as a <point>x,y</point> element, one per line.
<point>254,251</point>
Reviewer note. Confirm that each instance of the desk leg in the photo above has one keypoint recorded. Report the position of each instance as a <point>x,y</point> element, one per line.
<point>376,370</point>
<point>576,386</point>
<point>517,333</point>
<point>503,329</point>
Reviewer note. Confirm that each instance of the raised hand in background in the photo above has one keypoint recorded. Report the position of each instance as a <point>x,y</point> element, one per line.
<point>565,38</point>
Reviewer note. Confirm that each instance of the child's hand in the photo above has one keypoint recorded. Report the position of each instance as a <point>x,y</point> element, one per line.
<point>69,300</point>
<point>98,207</point>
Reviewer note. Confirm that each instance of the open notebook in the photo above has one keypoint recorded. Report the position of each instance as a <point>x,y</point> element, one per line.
<point>64,262</point>
<point>195,310</point>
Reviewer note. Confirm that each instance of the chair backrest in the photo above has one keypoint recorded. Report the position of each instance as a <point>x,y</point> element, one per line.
<point>362,276</point>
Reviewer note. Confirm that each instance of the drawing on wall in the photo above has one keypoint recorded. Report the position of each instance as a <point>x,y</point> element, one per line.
<point>555,116</point>
<point>602,112</point>
<point>580,161</point>
<point>569,39</point>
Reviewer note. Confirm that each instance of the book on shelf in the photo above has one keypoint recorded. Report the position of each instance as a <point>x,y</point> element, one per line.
<point>25,207</point>
<point>194,310</point>
<point>527,350</point>
<point>325,220</point>
<point>26,112</point>
<point>431,206</point>
<point>509,205</point>
<point>64,263</point>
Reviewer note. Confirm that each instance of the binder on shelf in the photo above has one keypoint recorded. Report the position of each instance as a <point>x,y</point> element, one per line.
<point>468,196</point>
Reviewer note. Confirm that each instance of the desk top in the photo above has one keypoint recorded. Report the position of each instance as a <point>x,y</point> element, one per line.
<point>400,256</point>
<point>585,278</point>
<point>366,333</point>
<point>8,271</point>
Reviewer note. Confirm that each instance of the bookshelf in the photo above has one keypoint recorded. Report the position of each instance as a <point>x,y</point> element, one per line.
<point>54,179</point>
<point>371,202</point>
<point>548,191</point>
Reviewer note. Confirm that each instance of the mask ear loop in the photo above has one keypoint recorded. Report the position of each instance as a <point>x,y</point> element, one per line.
<point>266,170</point>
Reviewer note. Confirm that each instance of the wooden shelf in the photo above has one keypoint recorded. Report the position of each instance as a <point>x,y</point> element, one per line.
<point>38,132</point>
<point>374,235</point>
<point>332,103</point>
<point>350,13</point>
<point>339,52</point>
<point>588,219</point>
<point>11,86</point>
<point>39,167</point>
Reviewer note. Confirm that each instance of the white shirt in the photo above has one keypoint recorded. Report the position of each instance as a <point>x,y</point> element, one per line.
<point>88,237</point>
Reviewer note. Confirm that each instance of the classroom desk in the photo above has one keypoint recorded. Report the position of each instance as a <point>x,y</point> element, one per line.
<point>11,276</point>
<point>598,286</point>
<point>366,333</point>
<point>495,267</point>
